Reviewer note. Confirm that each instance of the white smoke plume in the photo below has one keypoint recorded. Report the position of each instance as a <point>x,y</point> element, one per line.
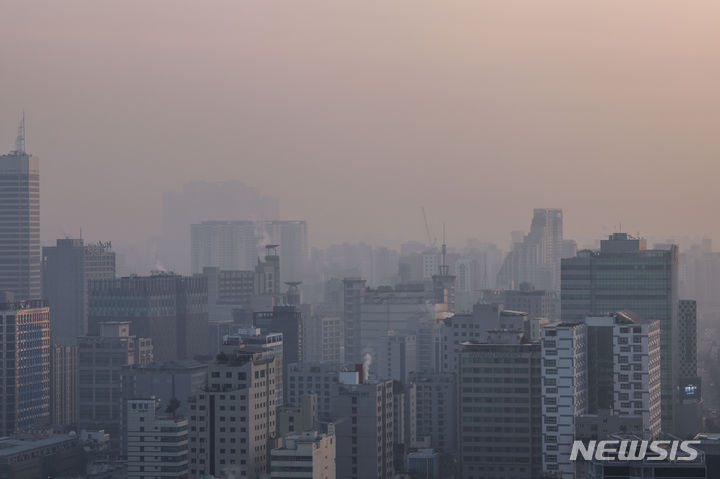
<point>367,361</point>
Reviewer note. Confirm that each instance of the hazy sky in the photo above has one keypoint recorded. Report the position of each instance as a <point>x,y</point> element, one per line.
<point>356,114</point>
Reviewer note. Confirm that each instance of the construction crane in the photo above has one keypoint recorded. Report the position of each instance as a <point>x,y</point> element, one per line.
<point>432,242</point>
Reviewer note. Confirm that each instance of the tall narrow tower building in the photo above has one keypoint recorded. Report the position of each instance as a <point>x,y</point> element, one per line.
<point>20,221</point>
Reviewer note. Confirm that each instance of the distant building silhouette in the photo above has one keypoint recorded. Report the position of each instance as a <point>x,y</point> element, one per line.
<point>536,259</point>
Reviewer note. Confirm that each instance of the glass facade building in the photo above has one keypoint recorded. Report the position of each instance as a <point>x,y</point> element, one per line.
<point>20,225</point>
<point>24,366</point>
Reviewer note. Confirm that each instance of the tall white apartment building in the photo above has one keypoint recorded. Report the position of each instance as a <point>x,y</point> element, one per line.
<point>564,393</point>
<point>636,370</point>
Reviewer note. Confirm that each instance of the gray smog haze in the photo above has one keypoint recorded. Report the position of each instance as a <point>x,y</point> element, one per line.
<point>354,114</point>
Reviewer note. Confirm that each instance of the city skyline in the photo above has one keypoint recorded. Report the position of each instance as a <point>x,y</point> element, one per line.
<point>234,92</point>
<point>460,240</point>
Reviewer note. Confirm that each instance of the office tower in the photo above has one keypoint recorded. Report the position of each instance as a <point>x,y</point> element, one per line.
<point>164,381</point>
<point>313,378</point>
<point>307,455</point>
<point>436,409</point>
<point>232,421</point>
<point>459,328</point>
<point>688,419</point>
<point>67,267</point>
<point>235,245</point>
<point>24,365</point>
<point>169,309</point>
<point>499,396</point>
<point>687,339</point>
<point>101,360</point>
<point>298,419</point>
<point>564,394</point>
<point>537,303</point>
<point>155,445</point>
<point>20,222</point>
<point>364,430</point>
<point>624,275</point>
<point>63,385</point>
<point>396,357</point>
<point>322,338</point>
<point>536,259</point>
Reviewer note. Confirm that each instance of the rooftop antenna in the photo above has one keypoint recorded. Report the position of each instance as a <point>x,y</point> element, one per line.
<point>443,266</point>
<point>20,140</point>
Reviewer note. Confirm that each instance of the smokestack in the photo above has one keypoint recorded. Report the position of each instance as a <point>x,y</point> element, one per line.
<point>359,371</point>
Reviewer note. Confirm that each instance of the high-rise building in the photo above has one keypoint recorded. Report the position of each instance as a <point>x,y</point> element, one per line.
<point>499,401</point>
<point>636,374</point>
<point>268,341</point>
<point>232,421</point>
<point>101,360</point>
<point>624,351</point>
<point>298,419</point>
<point>688,417</point>
<point>460,328</point>
<point>436,409</point>
<point>369,314</point>
<point>396,357</point>
<point>564,393</point>
<point>20,222</point>
<point>364,430</point>
<point>288,321</point>
<point>322,338</point>
<point>625,275</point>
<point>63,385</point>
<point>155,445</point>
<point>536,259</point>
<point>169,309</point>
<point>67,268</point>
<point>313,378</point>
<point>24,366</point>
